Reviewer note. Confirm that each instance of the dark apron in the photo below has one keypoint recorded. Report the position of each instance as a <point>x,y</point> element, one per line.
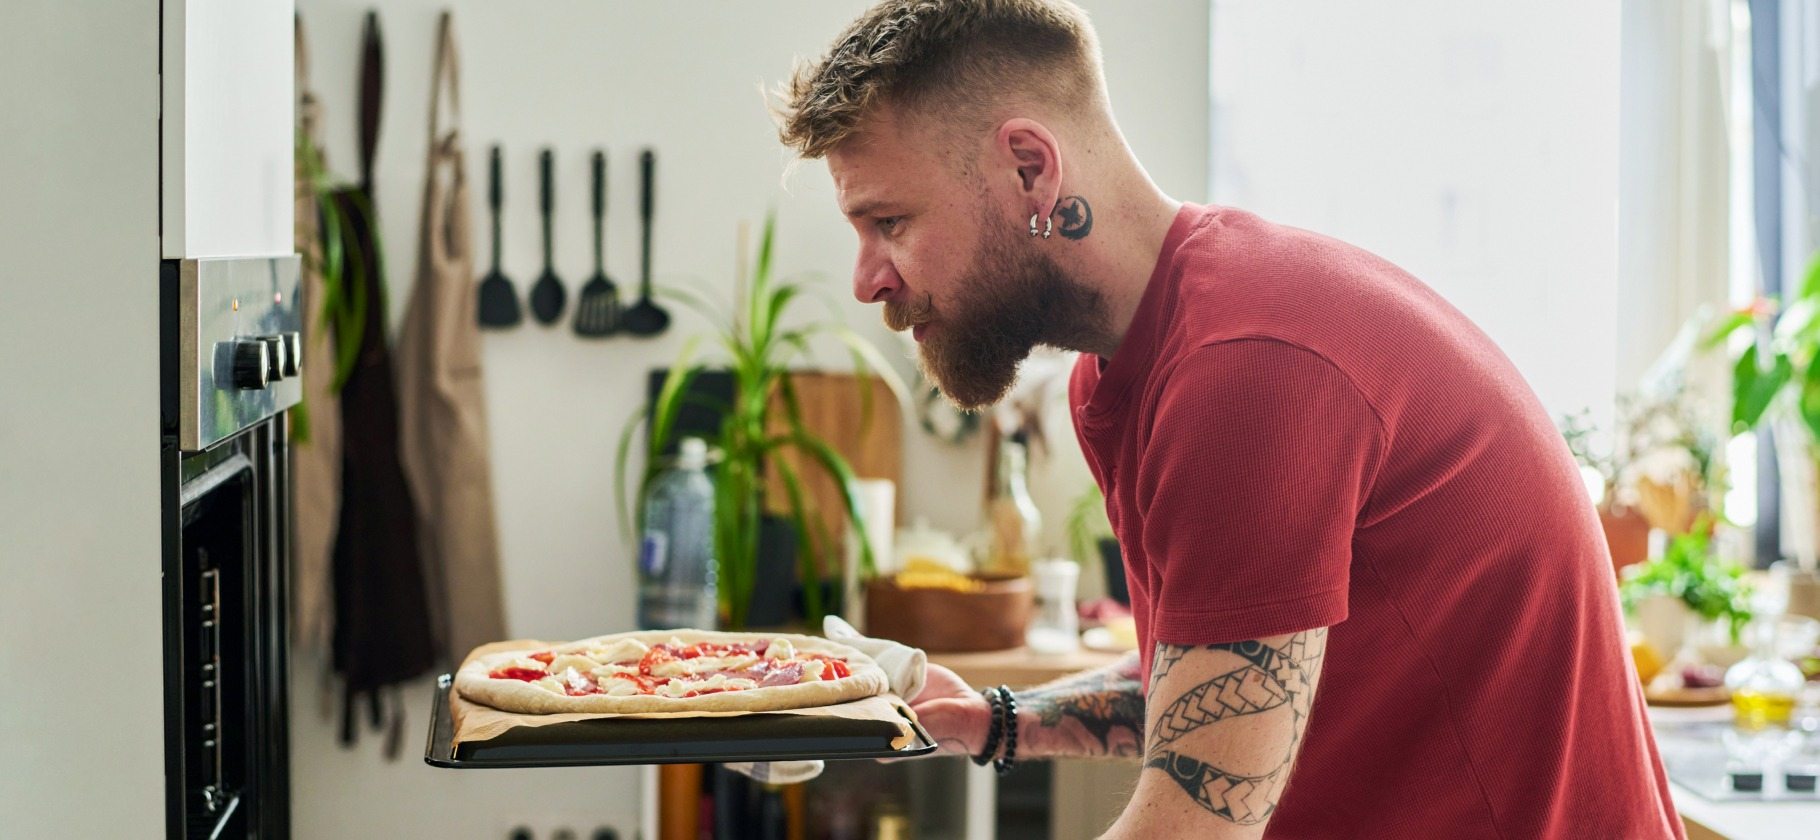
<point>382,631</point>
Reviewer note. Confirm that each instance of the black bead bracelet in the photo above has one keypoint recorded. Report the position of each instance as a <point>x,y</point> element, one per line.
<point>995,728</point>
<point>1003,728</point>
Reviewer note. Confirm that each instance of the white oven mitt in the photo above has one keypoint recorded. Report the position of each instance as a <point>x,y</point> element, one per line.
<point>903,665</point>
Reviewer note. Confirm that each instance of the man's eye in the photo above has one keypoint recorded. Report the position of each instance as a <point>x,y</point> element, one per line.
<point>889,224</point>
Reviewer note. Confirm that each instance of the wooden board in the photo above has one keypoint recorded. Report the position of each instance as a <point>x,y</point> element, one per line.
<point>835,409</point>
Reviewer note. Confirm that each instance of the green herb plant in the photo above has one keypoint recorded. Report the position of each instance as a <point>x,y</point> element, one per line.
<point>760,350</point>
<point>1713,588</point>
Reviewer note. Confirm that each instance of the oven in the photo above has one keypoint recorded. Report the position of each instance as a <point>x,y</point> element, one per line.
<point>230,338</point>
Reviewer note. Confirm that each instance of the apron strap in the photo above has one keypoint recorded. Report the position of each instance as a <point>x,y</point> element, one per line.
<point>372,94</point>
<point>445,77</point>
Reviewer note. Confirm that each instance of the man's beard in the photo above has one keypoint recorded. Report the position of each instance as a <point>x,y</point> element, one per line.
<point>1010,301</point>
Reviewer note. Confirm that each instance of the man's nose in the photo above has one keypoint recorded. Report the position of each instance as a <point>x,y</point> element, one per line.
<point>874,280</point>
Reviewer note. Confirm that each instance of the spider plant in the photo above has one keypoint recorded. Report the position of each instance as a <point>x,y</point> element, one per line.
<point>760,350</point>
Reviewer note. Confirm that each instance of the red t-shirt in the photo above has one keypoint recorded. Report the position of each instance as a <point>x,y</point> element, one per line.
<point>1294,434</point>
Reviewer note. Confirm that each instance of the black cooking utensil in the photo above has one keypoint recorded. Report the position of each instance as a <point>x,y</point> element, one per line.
<point>548,296</point>
<point>498,300</point>
<point>645,318</point>
<point>597,309</point>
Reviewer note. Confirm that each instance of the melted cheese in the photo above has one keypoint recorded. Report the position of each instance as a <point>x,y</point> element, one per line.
<point>570,660</point>
<point>551,684</point>
<point>780,649</point>
<point>812,670</point>
<point>624,650</point>
<point>526,663</point>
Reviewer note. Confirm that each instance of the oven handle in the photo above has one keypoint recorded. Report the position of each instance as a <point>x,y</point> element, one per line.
<point>216,475</point>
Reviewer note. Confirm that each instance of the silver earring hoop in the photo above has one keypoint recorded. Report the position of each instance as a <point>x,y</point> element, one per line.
<point>1048,226</point>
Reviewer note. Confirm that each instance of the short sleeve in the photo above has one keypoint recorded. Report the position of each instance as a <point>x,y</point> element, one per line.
<point>1258,462</point>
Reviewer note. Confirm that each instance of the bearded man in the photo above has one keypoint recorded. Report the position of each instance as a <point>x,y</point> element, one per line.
<point>1372,595</point>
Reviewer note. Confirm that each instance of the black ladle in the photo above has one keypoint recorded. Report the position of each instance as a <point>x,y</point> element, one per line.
<point>645,318</point>
<point>548,296</point>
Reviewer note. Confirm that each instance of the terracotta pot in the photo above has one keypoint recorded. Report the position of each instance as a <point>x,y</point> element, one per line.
<point>950,621</point>
<point>1626,535</point>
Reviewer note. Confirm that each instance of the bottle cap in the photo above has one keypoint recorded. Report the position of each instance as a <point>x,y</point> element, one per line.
<point>692,454</point>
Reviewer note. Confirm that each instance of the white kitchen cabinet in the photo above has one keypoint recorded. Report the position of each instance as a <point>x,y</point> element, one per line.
<point>227,80</point>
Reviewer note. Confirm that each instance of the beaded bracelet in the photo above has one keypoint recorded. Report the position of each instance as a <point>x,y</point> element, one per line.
<point>1008,702</point>
<point>996,729</point>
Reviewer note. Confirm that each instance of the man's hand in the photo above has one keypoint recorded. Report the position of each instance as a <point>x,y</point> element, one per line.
<point>956,715</point>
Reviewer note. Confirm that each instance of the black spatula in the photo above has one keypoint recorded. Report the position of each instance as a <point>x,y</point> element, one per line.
<point>498,300</point>
<point>645,318</point>
<point>597,309</point>
<point>548,295</point>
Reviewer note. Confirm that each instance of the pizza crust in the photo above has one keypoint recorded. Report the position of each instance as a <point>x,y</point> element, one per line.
<point>867,680</point>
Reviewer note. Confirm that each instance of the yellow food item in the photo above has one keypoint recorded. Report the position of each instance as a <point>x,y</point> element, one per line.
<point>926,574</point>
<point>1648,662</point>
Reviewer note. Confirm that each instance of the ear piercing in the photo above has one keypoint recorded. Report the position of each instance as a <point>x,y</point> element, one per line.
<point>1048,225</point>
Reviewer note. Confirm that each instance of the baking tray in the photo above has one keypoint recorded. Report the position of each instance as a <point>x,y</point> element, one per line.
<point>699,740</point>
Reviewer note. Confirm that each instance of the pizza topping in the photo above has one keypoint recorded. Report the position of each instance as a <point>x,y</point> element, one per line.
<point>511,673</point>
<point>789,673</point>
<point>543,656</point>
<point>780,649</point>
<point>812,670</point>
<point>550,684</point>
<point>529,663</point>
<point>569,660</point>
<point>576,684</point>
<point>624,650</point>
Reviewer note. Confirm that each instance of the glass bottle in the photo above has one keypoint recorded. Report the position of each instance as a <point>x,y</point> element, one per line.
<point>1014,517</point>
<point>1763,685</point>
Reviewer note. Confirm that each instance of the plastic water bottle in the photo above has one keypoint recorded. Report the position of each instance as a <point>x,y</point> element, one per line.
<point>676,553</point>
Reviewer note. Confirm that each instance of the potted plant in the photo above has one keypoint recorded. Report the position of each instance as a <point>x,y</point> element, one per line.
<point>763,420</point>
<point>1776,381</point>
<point>1090,537</point>
<point>1689,580</point>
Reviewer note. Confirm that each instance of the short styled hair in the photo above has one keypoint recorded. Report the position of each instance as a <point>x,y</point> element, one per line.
<point>954,60</point>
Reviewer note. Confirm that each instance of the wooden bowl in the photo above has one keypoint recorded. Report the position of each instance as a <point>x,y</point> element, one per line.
<point>950,621</point>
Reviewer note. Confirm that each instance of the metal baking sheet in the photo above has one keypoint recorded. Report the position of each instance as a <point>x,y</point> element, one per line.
<point>756,737</point>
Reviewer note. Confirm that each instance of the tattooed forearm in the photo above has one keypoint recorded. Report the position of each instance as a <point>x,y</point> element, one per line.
<point>1098,713</point>
<point>1232,681</point>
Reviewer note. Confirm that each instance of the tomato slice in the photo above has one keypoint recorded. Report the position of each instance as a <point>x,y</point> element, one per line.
<point>525,674</point>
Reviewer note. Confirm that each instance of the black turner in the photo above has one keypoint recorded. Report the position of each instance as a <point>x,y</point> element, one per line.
<point>645,318</point>
<point>498,300</point>
<point>597,309</point>
<point>548,295</point>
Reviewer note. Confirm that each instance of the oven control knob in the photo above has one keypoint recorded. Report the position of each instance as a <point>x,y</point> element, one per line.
<point>252,367</point>
<point>274,357</point>
<point>293,352</point>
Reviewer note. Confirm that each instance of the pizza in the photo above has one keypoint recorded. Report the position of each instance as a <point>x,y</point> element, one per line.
<point>672,671</point>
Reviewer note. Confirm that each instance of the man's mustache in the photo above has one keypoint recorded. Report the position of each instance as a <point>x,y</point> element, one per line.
<point>902,315</point>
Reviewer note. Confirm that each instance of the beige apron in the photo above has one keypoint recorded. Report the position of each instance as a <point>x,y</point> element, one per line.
<point>316,452</point>
<point>443,417</point>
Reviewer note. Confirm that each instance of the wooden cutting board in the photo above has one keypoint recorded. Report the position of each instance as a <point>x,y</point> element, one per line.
<point>858,416</point>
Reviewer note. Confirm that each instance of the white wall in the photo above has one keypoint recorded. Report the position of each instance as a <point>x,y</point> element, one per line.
<point>79,533</point>
<point>1474,143</point>
<point>684,78</point>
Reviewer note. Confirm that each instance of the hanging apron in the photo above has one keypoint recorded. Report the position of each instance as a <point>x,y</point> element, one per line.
<point>442,404</point>
<point>316,448</point>
<point>382,631</point>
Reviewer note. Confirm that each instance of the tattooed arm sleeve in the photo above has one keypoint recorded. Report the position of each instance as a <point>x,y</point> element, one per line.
<point>1225,722</point>
<point>1093,713</point>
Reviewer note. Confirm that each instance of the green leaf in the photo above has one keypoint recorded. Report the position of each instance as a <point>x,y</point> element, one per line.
<point>837,467</point>
<point>1810,285</point>
<point>1810,399</point>
<point>1754,389</point>
<point>1731,324</point>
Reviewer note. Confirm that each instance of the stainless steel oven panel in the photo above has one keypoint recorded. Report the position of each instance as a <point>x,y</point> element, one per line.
<point>240,326</point>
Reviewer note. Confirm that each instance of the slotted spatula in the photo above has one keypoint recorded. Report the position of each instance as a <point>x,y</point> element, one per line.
<point>498,300</point>
<point>548,296</point>
<point>597,309</point>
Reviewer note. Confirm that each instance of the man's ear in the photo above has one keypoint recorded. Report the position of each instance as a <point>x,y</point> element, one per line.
<point>1037,157</point>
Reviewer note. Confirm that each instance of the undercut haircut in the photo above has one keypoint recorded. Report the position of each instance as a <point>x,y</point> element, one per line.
<point>957,62</point>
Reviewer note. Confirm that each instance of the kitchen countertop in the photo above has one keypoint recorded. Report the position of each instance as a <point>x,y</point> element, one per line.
<point>1739,820</point>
